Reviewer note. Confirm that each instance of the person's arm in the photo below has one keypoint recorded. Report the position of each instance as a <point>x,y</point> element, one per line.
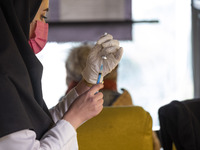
<point>86,106</point>
<point>60,137</point>
<point>58,111</point>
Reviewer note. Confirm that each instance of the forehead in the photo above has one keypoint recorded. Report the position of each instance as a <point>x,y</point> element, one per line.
<point>44,4</point>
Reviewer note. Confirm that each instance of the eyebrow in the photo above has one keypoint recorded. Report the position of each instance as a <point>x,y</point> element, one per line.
<point>47,9</point>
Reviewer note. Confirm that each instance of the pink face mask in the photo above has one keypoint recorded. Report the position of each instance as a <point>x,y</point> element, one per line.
<point>39,40</point>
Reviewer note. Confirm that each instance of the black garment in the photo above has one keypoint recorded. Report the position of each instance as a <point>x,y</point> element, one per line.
<point>21,101</point>
<point>180,124</point>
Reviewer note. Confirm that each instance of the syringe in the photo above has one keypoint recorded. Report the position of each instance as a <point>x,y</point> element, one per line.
<point>101,68</point>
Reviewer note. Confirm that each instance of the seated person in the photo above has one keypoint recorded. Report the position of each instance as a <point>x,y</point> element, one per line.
<point>75,64</point>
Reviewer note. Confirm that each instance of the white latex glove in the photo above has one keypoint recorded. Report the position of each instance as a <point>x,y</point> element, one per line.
<point>105,46</point>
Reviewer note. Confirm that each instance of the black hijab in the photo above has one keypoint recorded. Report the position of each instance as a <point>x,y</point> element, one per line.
<point>21,102</point>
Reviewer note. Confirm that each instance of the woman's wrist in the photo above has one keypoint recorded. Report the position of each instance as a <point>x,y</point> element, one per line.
<point>88,84</point>
<point>83,86</point>
<point>72,119</point>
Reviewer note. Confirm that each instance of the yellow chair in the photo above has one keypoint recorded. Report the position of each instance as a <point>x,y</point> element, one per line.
<point>117,128</point>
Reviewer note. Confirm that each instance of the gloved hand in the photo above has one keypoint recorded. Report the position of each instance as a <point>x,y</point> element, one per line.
<point>105,46</point>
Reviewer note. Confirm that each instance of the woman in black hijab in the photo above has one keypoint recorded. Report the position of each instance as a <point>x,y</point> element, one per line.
<point>25,121</point>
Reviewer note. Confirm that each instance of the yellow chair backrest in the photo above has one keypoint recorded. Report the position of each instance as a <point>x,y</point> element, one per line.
<point>117,128</point>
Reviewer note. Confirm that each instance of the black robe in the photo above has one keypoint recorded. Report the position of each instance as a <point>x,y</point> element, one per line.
<point>180,124</point>
<point>21,101</point>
